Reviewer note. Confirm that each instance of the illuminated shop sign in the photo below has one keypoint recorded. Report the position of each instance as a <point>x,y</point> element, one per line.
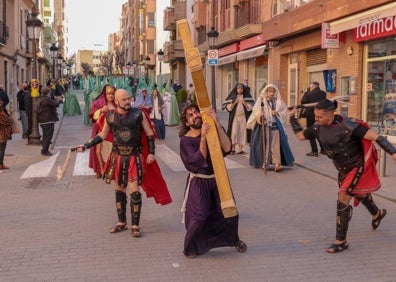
<point>374,27</point>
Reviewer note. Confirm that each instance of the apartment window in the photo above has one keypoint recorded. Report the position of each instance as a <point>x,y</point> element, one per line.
<point>150,47</point>
<point>151,20</point>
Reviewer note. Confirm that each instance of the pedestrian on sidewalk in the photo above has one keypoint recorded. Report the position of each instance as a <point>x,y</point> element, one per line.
<point>4,98</point>
<point>47,117</point>
<point>349,143</point>
<point>312,95</point>
<point>29,110</point>
<point>22,109</point>
<point>206,227</point>
<point>132,161</point>
<point>5,133</point>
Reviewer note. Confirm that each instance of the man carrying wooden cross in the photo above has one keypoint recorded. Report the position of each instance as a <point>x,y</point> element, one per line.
<point>206,226</point>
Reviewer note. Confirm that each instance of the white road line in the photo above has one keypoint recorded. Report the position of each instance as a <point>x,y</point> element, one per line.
<point>169,157</point>
<point>40,169</point>
<point>163,152</point>
<point>81,165</point>
<point>230,164</point>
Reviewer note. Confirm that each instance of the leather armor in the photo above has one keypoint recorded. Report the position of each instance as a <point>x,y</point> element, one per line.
<point>339,144</point>
<point>127,131</point>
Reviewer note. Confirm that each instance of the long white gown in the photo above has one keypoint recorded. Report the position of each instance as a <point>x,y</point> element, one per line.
<point>167,107</point>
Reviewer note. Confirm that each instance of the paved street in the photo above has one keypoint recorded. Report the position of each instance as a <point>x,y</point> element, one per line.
<point>58,230</point>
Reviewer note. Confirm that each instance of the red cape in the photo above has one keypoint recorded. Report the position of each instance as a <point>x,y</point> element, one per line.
<point>153,183</point>
<point>369,181</point>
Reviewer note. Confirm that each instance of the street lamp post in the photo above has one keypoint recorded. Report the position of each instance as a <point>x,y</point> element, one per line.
<point>212,40</point>
<point>160,59</point>
<point>34,25</point>
<point>68,71</point>
<point>147,59</point>
<point>60,61</point>
<point>128,65</point>
<point>134,65</point>
<point>54,54</point>
<point>64,67</point>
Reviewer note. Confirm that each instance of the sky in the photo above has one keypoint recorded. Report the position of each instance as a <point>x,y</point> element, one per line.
<point>91,21</point>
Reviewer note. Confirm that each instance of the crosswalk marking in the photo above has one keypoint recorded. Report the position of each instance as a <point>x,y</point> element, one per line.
<point>169,157</point>
<point>40,169</point>
<point>232,164</point>
<point>81,163</point>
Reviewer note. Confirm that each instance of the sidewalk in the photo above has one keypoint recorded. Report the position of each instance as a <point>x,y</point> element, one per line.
<point>19,154</point>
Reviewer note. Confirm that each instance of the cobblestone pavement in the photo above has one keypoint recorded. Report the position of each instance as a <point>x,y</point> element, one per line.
<point>58,230</point>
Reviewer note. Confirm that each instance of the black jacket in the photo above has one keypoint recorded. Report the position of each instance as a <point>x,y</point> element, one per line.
<point>47,110</point>
<point>313,96</point>
<point>21,99</point>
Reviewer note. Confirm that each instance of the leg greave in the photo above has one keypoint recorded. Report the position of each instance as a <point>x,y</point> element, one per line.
<point>136,207</point>
<point>344,215</point>
<point>121,202</point>
<point>368,202</point>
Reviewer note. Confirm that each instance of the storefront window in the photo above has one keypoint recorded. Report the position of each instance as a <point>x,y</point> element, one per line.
<point>381,87</point>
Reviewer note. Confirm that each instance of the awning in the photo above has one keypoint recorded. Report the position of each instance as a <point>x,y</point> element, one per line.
<point>227,59</point>
<point>353,21</point>
<point>251,53</point>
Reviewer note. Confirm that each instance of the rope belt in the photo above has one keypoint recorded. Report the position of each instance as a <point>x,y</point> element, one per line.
<point>192,175</point>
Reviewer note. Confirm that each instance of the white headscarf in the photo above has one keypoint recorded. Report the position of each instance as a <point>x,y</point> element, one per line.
<point>280,107</point>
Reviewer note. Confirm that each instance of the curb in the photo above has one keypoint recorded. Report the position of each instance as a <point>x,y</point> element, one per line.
<point>59,124</point>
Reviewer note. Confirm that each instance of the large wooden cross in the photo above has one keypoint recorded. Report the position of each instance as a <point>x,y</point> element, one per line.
<point>194,63</point>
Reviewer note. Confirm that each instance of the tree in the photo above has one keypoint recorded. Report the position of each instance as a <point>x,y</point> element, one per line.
<point>106,60</point>
<point>119,57</point>
<point>86,68</point>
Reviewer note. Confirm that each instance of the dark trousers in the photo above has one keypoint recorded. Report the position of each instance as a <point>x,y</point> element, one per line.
<point>48,133</point>
<point>29,125</point>
<point>2,151</point>
<point>314,146</point>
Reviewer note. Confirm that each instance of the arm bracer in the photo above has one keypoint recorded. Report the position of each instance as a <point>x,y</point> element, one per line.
<point>386,145</point>
<point>295,124</point>
<point>93,141</point>
<point>151,144</point>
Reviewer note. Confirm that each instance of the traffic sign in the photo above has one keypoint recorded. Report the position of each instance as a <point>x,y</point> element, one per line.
<point>213,57</point>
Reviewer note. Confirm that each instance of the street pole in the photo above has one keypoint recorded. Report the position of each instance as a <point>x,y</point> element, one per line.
<point>147,59</point>
<point>34,137</point>
<point>54,54</point>
<point>212,40</point>
<point>134,65</point>
<point>34,25</point>
<point>213,88</point>
<point>160,59</point>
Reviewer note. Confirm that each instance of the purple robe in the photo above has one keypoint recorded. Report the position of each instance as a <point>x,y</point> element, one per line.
<point>206,227</point>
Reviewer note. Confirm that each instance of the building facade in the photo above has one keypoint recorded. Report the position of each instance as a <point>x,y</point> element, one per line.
<point>18,61</point>
<point>137,38</point>
<point>349,51</point>
<point>348,46</point>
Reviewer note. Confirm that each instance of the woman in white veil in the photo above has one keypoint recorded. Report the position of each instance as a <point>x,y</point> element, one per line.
<point>269,147</point>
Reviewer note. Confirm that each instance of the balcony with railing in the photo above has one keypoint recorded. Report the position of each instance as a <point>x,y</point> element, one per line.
<point>173,14</point>
<point>173,50</point>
